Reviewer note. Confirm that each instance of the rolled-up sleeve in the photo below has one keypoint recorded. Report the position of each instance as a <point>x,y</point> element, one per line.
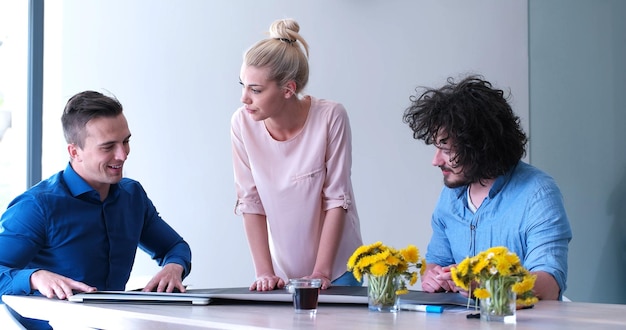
<point>337,187</point>
<point>439,250</point>
<point>248,200</point>
<point>548,236</point>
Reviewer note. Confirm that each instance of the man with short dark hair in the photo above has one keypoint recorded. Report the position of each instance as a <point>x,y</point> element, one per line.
<point>79,230</point>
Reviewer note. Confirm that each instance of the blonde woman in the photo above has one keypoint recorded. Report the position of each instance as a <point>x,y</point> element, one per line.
<point>292,158</point>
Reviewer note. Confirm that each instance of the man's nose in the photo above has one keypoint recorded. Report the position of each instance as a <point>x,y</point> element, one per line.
<point>438,159</point>
<point>121,152</point>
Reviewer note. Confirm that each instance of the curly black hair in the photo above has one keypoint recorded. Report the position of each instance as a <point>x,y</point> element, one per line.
<point>486,136</point>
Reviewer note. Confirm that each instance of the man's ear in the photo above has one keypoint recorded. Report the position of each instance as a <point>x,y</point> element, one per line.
<point>72,150</point>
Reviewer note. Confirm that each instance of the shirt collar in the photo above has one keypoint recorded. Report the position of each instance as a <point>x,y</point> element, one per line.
<point>79,186</point>
<point>498,184</point>
<point>75,183</point>
<point>501,181</point>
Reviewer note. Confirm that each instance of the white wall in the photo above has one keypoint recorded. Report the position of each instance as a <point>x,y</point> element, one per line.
<point>175,65</point>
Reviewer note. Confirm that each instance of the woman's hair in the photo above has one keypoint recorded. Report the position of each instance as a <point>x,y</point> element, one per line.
<point>83,107</point>
<point>285,53</point>
<point>486,136</point>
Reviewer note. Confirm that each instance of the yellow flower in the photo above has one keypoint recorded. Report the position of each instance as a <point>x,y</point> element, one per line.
<point>410,254</point>
<point>379,269</point>
<point>393,260</point>
<point>378,259</point>
<point>413,279</point>
<point>527,284</point>
<point>403,267</point>
<point>497,250</point>
<point>402,291</point>
<point>495,265</point>
<point>383,255</point>
<point>503,266</point>
<point>481,293</point>
<point>512,258</point>
<point>364,262</point>
<point>463,266</point>
<point>479,266</point>
<point>357,274</point>
<point>527,301</point>
<point>356,256</point>
<point>457,278</point>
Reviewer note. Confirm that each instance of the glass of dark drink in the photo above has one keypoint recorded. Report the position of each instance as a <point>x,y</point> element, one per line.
<point>305,293</point>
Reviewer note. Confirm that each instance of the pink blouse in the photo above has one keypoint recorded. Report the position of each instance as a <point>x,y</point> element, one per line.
<point>293,182</point>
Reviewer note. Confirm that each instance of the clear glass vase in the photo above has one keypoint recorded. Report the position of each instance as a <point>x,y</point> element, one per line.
<point>501,304</point>
<point>382,293</point>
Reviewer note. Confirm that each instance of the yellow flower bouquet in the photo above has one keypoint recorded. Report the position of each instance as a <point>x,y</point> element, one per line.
<point>497,271</point>
<point>388,272</point>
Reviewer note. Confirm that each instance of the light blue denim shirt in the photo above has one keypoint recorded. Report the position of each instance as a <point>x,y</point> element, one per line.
<point>524,212</point>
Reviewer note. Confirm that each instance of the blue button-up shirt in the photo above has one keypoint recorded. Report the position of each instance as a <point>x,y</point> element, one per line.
<point>61,225</point>
<point>524,211</point>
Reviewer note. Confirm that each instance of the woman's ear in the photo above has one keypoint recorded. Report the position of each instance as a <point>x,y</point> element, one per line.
<point>290,89</point>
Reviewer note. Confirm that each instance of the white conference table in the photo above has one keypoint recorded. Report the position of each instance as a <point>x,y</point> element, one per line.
<point>64,314</point>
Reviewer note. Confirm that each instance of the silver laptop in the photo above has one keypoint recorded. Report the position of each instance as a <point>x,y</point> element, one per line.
<point>139,297</point>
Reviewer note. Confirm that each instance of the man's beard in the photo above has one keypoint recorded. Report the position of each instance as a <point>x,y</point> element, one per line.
<point>460,178</point>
